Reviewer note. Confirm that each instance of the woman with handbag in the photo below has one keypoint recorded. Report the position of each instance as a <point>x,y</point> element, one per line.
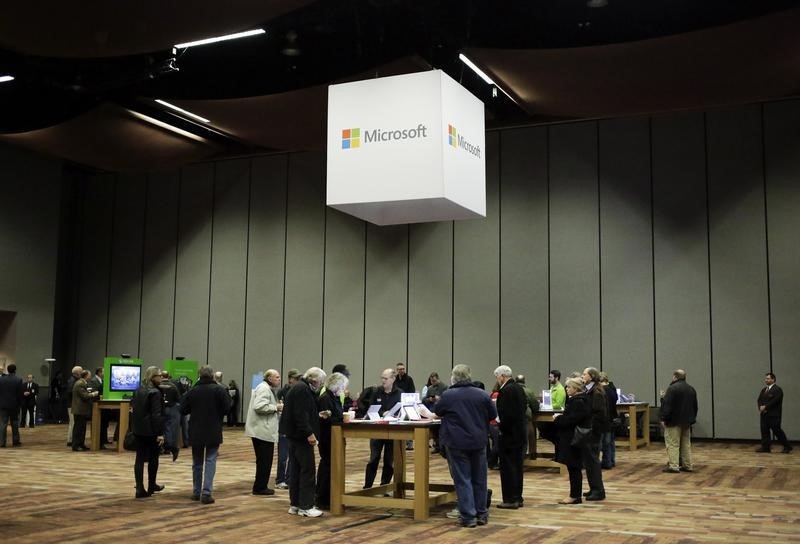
<point>573,427</point>
<point>147,423</point>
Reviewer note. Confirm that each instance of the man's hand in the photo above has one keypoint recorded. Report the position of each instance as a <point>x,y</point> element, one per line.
<point>160,440</point>
<point>312,439</point>
<point>762,409</point>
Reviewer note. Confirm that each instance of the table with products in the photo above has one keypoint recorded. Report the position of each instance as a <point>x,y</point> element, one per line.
<point>542,460</point>
<point>425,494</point>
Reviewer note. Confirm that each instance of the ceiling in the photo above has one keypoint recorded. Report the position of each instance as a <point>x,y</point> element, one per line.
<point>86,74</point>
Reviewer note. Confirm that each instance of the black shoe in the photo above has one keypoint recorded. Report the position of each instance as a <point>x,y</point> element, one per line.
<point>207,499</point>
<point>155,488</point>
<point>596,497</point>
<point>18,444</point>
<point>175,452</point>
<point>508,505</point>
<point>84,447</point>
<point>787,450</point>
<point>470,524</point>
<point>483,520</point>
<point>69,444</point>
<point>587,493</point>
<point>142,494</point>
<point>763,450</point>
<point>267,491</point>
<point>195,497</point>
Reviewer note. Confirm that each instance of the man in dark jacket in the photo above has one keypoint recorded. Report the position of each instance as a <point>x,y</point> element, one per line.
<point>770,406</point>
<point>607,445</point>
<point>678,414</point>
<point>207,403</point>
<point>300,423</point>
<point>10,399</point>
<point>147,424</point>
<point>511,406</point>
<point>387,396</point>
<point>465,411</point>
<point>76,375</point>
<point>600,424</point>
<point>282,474</point>
<point>30,394</point>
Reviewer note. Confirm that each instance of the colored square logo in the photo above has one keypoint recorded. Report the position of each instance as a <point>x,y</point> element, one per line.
<point>351,138</point>
<point>452,136</point>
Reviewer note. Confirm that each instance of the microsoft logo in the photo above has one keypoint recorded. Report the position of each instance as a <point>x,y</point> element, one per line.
<point>351,138</point>
<point>452,136</point>
<point>454,139</point>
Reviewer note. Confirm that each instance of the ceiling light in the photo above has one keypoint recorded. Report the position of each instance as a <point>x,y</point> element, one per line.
<point>4,79</point>
<point>483,75</point>
<point>475,69</point>
<point>181,110</point>
<point>221,38</point>
<point>167,126</point>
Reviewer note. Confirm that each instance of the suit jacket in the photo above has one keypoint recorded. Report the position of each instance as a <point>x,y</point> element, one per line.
<point>773,400</point>
<point>81,399</point>
<point>10,392</point>
<point>30,400</point>
<point>95,383</point>
<point>511,406</point>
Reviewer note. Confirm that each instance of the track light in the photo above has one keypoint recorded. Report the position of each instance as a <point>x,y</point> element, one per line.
<point>4,79</point>
<point>484,77</point>
<point>167,126</point>
<point>181,110</point>
<point>216,39</point>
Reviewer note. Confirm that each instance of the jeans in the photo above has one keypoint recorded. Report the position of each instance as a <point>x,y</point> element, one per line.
<point>172,422</point>
<point>264,453</point>
<point>204,466</point>
<point>5,416</point>
<point>302,481</point>
<point>591,462</point>
<point>468,469</point>
<point>609,449</point>
<point>375,447</point>
<point>185,430</point>
<point>282,475</point>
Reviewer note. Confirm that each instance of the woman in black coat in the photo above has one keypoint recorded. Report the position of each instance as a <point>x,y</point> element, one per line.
<point>330,411</point>
<point>147,423</point>
<point>577,412</point>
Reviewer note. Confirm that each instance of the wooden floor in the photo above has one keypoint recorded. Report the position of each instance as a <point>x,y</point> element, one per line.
<point>51,494</point>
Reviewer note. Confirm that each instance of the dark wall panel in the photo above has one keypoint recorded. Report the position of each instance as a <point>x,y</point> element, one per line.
<point>683,329</point>
<point>524,312</point>
<point>126,265</point>
<point>343,340</point>
<point>94,270</point>
<point>194,262</point>
<point>158,279</point>
<point>226,328</point>
<point>430,301</point>
<point>302,339</point>
<point>574,248</point>
<point>386,327</point>
<point>782,143</point>
<point>476,279</point>
<point>265,267</point>
<point>626,256</point>
<point>739,302</point>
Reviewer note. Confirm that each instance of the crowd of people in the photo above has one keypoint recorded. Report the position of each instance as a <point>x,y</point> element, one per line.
<point>479,430</point>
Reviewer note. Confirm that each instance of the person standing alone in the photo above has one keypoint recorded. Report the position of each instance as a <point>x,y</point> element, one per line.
<point>678,414</point>
<point>770,404</point>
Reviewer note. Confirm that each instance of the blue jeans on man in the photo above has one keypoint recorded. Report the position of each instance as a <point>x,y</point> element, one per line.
<point>609,449</point>
<point>172,426</point>
<point>282,476</point>
<point>204,466</point>
<point>468,469</point>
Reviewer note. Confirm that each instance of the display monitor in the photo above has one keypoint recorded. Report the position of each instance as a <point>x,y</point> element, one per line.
<point>125,377</point>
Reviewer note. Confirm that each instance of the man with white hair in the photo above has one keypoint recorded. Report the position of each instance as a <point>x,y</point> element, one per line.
<point>300,424</point>
<point>76,375</point>
<point>511,406</point>
<point>465,411</point>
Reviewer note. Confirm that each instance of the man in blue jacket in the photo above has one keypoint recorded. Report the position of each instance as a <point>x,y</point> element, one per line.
<point>465,411</point>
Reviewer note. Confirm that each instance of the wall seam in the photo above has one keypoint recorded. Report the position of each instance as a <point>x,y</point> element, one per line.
<point>141,269</point>
<point>211,261</point>
<point>111,257</point>
<point>766,230</point>
<point>653,257</point>
<point>708,256</point>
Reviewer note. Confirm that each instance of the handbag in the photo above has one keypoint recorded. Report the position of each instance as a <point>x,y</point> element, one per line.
<point>129,442</point>
<point>580,436</point>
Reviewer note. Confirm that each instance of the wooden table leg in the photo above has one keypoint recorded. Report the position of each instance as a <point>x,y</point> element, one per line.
<point>95,444</point>
<point>399,447</point>
<point>124,417</point>
<point>421,474</point>
<point>646,425</point>
<point>337,469</point>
